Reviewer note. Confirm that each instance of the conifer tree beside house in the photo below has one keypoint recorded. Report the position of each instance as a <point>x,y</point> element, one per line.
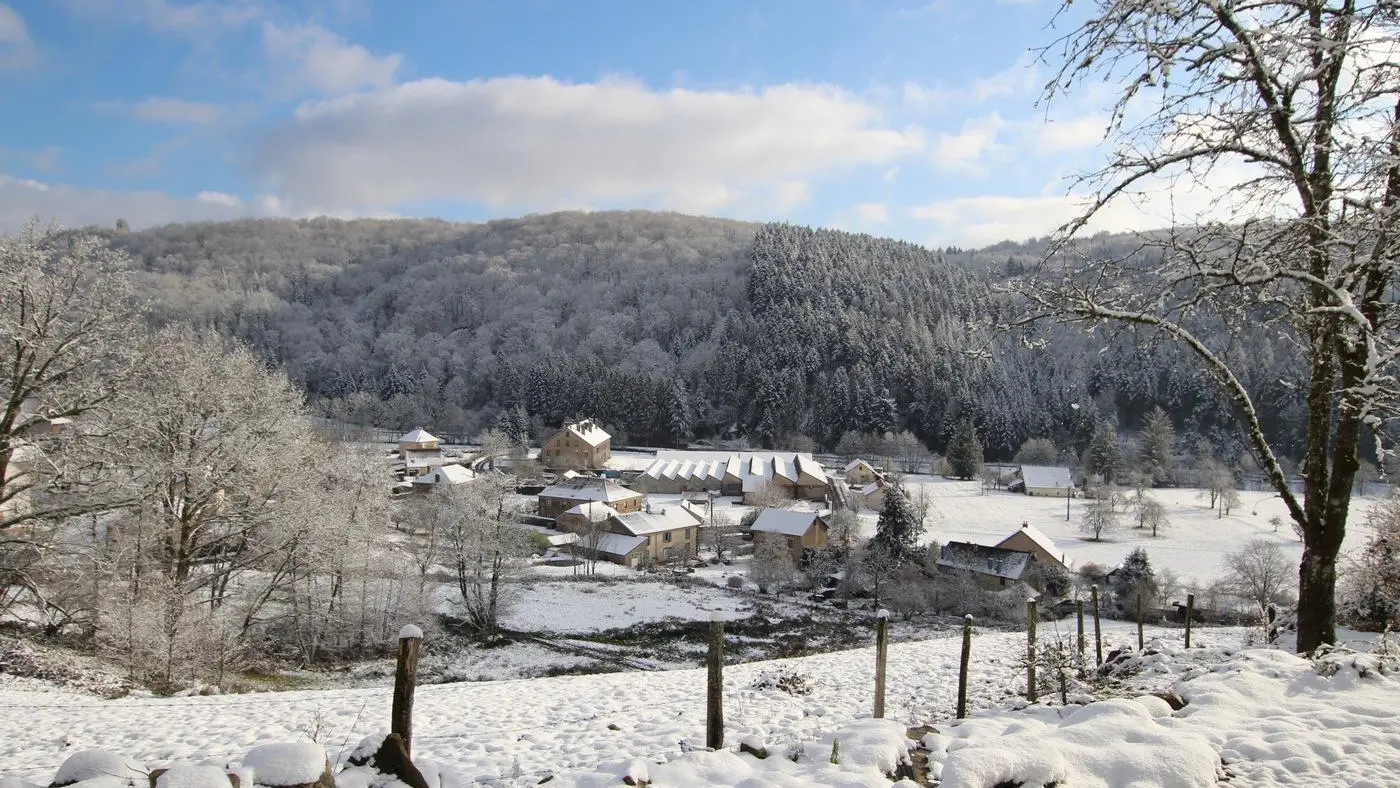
<point>965,451</point>
<point>1103,457</point>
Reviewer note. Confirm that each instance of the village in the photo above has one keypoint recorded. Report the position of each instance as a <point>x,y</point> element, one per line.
<point>676,511</point>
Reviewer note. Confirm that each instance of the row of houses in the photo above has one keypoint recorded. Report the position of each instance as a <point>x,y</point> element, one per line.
<point>797,476</point>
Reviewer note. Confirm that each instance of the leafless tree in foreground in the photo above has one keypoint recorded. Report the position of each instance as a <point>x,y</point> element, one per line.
<point>1260,574</point>
<point>1285,115</point>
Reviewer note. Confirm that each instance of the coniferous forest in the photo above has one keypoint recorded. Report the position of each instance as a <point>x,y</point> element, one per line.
<point>668,328</point>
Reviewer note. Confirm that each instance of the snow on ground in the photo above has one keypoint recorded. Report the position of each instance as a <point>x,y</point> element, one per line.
<point>581,607</point>
<point>490,729</point>
<point>1193,544</point>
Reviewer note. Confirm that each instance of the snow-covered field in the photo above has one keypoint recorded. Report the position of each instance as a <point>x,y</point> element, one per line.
<point>580,607</point>
<point>1264,718</point>
<point>1193,544</point>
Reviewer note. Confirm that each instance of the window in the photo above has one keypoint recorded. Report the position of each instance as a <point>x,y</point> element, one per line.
<point>666,537</point>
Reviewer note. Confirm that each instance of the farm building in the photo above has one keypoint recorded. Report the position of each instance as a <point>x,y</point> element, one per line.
<point>803,530</point>
<point>421,452</point>
<point>555,500</point>
<point>738,474</point>
<point>993,567</point>
<point>1043,480</point>
<point>445,476</point>
<point>1029,539</point>
<point>860,473</point>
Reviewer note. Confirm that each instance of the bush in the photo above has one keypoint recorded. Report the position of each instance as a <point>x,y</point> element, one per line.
<point>784,680</point>
<point>734,581</point>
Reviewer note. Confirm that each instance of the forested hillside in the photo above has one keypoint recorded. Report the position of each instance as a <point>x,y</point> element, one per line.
<point>667,327</point>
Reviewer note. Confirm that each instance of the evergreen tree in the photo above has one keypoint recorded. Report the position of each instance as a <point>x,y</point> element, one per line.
<point>1158,437</point>
<point>677,414</point>
<point>1103,456</point>
<point>965,451</point>
<point>1135,582</point>
<point>898,530</point>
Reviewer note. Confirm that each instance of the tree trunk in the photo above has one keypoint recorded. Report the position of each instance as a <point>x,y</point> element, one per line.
<point>1317,602</point>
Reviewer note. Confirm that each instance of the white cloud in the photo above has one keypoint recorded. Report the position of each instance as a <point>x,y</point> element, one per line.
<point>872,213</point>
<point>318,59</point>
<point>22,200</point>
<point>17,49</point>
<point>538,144</point>
<point>177,111</point>
<point>969,150</point>
<point>1019,79</point>
<point>191,20</point>
<point>1062,136</point>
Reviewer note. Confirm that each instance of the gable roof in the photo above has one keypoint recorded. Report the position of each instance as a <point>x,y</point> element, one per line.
<point>783,521</point>
<point>593,511</point>
<point>984,560</point>
<point>419,435</point>
<point>856,463</point>
<point>659,519</point>
<point>1041,540</point>
<point>587,431</point>
<point>446,474</point>
<point>587,488</point>
<point>1046,476</point>
<point>619,544</point>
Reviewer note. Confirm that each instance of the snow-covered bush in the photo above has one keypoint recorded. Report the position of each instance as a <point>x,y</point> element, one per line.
<point>786,680</point>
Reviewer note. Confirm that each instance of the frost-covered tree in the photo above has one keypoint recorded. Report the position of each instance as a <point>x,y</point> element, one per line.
<point>1135,583</point>
<point>1100,517</point>
<point>1148,512</point>
<point>1156,452</point>
<point>1298,101</point>
<point>1103,458</point>
<point>1037,451</point>
<point>485,547</point>
<point>899,528</point>
<point>965,451</point>
<point>772,566</point>
<point>1372,598</point>
<point>1260,574</point>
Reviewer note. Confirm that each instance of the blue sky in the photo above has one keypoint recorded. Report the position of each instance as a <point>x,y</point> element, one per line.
<point>911,118</point>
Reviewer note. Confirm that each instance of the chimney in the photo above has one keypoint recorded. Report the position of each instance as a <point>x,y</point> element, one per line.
<point>1025,524</point>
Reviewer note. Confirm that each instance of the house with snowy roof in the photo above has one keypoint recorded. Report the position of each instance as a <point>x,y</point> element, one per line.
<point>657,533</point>
<point>797,475</point>
<point>581,446</point>
<point>1042,480</point>
<point>1029,539</point>
<point>421,452</point>
<point>802,531</point>
<point>992,567</point>
<point>859,473</point>
<point>559,498</point>
<point>444,476</point>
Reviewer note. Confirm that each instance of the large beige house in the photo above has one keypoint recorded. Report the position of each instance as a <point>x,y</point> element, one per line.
<point>860,473</point>
<point>580,446</point>
<point>659,533</point>
<point>564,496</point>
<point>802,531</point>
<point>1029,539</point>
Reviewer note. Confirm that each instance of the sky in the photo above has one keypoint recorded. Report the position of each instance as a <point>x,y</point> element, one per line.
<point>918,119</point>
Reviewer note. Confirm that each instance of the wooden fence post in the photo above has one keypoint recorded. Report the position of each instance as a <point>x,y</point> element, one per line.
<point>1190,610</point>
<point>963,665</point>
<point>1139,612</point>
<point>405,677</point>
<point>1098,637</point>
<point>1031,619</point>
<point>882,645</point>
<point>1079,623</point>
<point>714,706</point>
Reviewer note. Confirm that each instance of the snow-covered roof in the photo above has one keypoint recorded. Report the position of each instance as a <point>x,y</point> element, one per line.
<point>1045,476</point>
<point>783,521</point>
<point>660,518</point>
<point>856,463</point>
<point>593,511</point>
<point>1041,540</point>
<point>424,458</point>
<point>590,489</point>
<point>875,486</point>
<point>619,544</point>
<point>979,558</point>
<point>588,431</point>
<point>419,435</point>
<point>447,474</point>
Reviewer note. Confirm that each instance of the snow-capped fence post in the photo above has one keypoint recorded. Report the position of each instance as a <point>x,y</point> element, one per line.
<point>405,677</point>
<point>1139,612</point>
<point>1190,611</point>
<point>963,665</point>
<point>714,699</point>
<point>882,646</point>
<point>1031,618</point>
<point>1079,622</point>
<point>1098,637</point>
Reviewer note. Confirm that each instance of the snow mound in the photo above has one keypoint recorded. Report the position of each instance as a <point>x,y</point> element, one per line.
<point>93,764</point>
<point>294,763</point>
<point>1102,745</point>
<point>193,775</point>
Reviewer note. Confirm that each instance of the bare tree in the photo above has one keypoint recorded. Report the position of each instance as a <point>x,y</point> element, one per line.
<point>1260,574</point>
<point>486,546</point>
<point>1295,108</point>
<point>1148,512</point>
<point>1100,517</point>
<point>772,566</point>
